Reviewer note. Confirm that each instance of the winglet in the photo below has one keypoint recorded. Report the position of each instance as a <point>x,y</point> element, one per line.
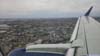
<point>88,12</point>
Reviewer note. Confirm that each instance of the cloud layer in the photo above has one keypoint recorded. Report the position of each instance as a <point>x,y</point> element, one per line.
<point>16,8</point>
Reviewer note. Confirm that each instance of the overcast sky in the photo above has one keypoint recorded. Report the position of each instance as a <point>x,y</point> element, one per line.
<point>47,8</point>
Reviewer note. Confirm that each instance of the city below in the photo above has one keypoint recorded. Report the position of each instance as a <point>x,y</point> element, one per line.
<point>17,33</point>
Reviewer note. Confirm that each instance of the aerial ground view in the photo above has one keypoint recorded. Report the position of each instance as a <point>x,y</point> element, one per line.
<point>37,31</point>
<point>49,27</point>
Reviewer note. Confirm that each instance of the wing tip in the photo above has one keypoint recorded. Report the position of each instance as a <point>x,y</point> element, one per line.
<point>89,11</point>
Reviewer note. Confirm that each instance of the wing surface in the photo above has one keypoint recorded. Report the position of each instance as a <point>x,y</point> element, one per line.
<point>89,33</point>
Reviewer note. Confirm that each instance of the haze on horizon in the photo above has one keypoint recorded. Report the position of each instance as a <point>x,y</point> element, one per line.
<point>47,8</point>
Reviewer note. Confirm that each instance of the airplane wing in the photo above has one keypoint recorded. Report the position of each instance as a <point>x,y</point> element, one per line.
<point>88,31</point>
<point>84,41</point>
